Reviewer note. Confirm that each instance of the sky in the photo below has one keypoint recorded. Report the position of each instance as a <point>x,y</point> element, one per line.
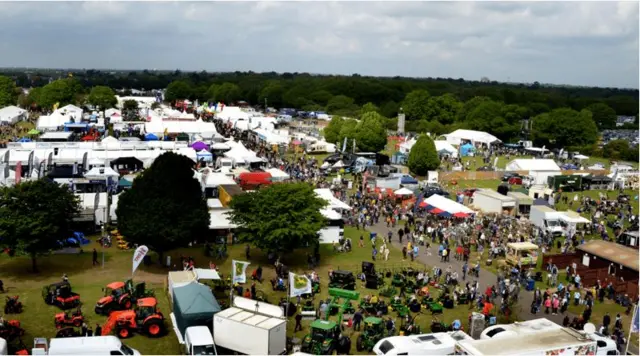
<point>576,43</point>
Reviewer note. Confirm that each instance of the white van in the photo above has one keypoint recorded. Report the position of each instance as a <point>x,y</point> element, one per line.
<point>4,348</point>
<point>90,345</point>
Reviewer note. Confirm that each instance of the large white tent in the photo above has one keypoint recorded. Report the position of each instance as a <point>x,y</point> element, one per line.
<point>457,136</point>
<point>12,114</point>
<point>334,203</point>
<point>447,205</point>
<point>533,165</point>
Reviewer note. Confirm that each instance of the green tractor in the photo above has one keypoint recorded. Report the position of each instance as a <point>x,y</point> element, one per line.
<point>372,333</point>
<point>323,339</point>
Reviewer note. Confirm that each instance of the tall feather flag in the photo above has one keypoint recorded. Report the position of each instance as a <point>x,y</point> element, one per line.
<point>635,323</point>
<point>299,284</point>
<point>239,270</point>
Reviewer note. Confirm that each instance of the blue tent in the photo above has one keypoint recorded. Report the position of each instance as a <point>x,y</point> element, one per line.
<point>24,139</point>
<point>466,149</point>
<point>150,137</point>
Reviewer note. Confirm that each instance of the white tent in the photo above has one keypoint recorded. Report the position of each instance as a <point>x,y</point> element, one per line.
<point>580,157</point>
<point>12,114</point>
<point>457,136</point>
<point>220,220</point>
<point>220,146</point>
<point>334,203</point>
<point>278,175</point>
<point>403,191</point>
<point>533,165</point>
<point>338,164</point>
<point>444,147</point>
<point>99,173</point>
<point>447,205</point>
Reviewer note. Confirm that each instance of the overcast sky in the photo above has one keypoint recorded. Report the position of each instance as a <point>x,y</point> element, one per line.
<point>579,43</point>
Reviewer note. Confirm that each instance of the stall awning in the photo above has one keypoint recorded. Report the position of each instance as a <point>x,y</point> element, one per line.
<point>448,205</point>
<point>573,217</point>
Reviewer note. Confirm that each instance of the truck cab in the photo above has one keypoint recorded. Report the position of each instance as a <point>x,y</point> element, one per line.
<point>198,340</point>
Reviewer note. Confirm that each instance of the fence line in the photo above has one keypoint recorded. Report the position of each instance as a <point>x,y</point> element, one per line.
<point>491,175</point>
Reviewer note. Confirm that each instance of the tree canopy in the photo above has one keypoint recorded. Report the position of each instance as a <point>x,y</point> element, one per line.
<point>102,97</point>
<point>371,134</point>
<point>423,156</point>
<point>34,216</point>
<point>8,92</point>
<point>178,90</point>
<point>332,131</point>
<point>61,92</point>
<point>279,218</point>
<point>165,208</point>
<point>564,128</point>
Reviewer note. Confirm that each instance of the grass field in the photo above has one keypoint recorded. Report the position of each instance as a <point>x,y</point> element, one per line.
<point>88,281</point>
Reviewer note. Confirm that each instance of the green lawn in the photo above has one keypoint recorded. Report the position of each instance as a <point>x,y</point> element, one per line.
<point>88,281</point>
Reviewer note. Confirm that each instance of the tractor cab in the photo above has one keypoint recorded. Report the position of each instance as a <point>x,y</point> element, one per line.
<point>61,295</point>
<point>342,280</point>
<point>323,338</point>
<point>114,289</point>
<point>372,333</point>
<point>146,307</point>
<point>117,296</point>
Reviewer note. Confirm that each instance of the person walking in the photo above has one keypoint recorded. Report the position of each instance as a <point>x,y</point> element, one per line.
<point>95,257</point>
<point>298,326</point>
<point>98,330</point>
<point>357,320</point>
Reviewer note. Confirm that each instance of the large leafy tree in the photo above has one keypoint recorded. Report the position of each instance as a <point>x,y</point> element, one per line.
<point>226,93</point>
<point>348,131</point>
<point>371,134</point>
<point>164,209</point>
<point>62,92</point>
<point>443,109</point>
<point>178,90</point>
<point>34,216</point>
<point>8,92</point>
<point>102,97</point>
<point>603,115</point>
<point>415,105</point>
<point>423,156</point>
<point>272,92</point>
<point>369,107</point>
<point>342,105</point>
<point>564,128</point>
<point>469,106</point>
<point>279,218</point>
<point>332,131</point>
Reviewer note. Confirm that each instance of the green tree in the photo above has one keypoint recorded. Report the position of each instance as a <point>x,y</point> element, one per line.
<point>369,107</point>
<point>616,149</point>
<point>102,97</point>
<point>470,105</point>
<point>8,92</point>
<point>564,127</point>
<point>178,90</point>
<point>423,156</point>
<point>486,116</point>
<point>34,216</point>
<point>332,131</point>
<point>227,93</point>
<point>390,109</point>
<point>61,91</point>
<point>279,218</point>
<point>33,98</point>
<point>342,105</point>
<point>272,92</point>
<point>348,131</point>
<point>164,209</point>
<point>130,110</point>
<point>603,115</point>
<point>371,134</point>
<point>415,105</point>
<point>443,109</point>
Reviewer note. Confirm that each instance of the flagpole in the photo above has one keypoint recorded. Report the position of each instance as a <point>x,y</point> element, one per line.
<point>286,309</point>
<point>633,319</point>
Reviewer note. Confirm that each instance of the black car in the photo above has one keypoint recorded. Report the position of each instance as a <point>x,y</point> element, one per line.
<point>509,175</point>
<point>431,190</point>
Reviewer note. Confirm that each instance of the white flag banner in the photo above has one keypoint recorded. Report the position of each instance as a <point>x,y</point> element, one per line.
<point>239,271</point>
<point>138,256</point>
<point>299,285</point>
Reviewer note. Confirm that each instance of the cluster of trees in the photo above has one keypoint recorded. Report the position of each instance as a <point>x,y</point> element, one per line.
<point>370,131</point>
<point>435,105</point>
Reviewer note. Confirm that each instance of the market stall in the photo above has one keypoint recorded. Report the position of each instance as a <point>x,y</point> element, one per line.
<point>522,253</point>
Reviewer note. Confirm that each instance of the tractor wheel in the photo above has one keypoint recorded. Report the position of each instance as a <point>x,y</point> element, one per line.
<point>126,304</point>
<point>123,333</point>
<point>153,328</point>
<point>360,343</point>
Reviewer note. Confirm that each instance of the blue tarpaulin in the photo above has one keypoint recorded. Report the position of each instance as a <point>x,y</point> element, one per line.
<point>150,137</point>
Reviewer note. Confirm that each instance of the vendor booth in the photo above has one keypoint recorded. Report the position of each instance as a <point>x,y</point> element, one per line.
<point>445,205</point>
<point>194,305</point>
<point>522,253</point>
<point>523,203</point>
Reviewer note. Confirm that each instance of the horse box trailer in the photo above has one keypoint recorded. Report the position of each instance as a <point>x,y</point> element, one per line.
<point>565,341</point>
<point>248,333</point>
<point>425,344</point>
<point>88,345</point>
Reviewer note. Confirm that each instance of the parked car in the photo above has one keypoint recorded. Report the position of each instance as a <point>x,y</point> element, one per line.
<point>432,189</point>
<point>516,180</point>
<point>509,175</point>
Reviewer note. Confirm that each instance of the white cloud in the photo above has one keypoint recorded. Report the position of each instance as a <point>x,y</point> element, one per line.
<point>528,40</point>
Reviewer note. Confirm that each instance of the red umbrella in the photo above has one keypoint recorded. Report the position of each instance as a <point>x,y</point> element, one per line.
<point>460,215</point>
<point>436,211</point>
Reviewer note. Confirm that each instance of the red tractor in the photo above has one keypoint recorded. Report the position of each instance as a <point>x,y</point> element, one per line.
<point>60,295</point>
<point>117,296</point>
<point>121,296</point>
<point>11,330</point>
<point>65,319</point>
<point>145,318</point>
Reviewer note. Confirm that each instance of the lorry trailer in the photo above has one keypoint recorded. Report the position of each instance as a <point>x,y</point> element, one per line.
<point>245,332</point>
